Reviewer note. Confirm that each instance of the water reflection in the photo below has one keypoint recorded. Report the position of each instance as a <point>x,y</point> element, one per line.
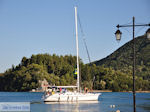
<point>88,106</point>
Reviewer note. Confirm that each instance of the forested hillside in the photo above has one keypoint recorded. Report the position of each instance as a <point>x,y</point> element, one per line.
<point>59,70</point>
<point>122,58</point>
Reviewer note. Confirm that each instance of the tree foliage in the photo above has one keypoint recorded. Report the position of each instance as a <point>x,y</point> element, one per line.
<point>59,70</point>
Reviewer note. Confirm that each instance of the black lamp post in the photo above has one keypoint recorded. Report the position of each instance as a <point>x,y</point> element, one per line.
<point>118,38</point>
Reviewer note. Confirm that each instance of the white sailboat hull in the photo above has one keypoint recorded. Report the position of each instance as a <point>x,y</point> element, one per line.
<point>72,97</point>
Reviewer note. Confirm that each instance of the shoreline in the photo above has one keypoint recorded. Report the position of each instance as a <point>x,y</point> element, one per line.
<point>93,91</point>
<point>96,91</point>
<point>119,91</point>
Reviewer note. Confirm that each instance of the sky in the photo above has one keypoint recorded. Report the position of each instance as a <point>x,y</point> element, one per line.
<point>48,26</point>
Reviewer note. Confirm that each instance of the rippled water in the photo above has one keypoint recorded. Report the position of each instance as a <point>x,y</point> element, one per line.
<point>121,100</point>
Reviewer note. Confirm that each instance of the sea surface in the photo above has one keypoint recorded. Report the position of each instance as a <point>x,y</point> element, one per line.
<point>122,101</point>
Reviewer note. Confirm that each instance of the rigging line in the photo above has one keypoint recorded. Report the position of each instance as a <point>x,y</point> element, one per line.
<point>126,29</point>
<point>139,30</point>
<point>128,23</point>
<point>83,36</point>
<point>140,23</point>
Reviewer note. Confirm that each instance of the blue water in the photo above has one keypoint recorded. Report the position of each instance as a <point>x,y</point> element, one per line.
<point>122,102</point>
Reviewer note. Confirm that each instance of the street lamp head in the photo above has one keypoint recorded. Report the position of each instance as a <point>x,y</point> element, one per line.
<point>148,33</point>
<point>118,34</point>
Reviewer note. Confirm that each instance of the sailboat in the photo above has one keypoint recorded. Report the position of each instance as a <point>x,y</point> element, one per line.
<point>73,96</point>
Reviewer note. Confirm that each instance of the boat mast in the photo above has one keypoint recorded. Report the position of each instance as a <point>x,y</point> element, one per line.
<point>76,29</point>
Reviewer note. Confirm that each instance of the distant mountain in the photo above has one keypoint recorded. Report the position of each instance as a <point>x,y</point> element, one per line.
<point>122,58</point>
